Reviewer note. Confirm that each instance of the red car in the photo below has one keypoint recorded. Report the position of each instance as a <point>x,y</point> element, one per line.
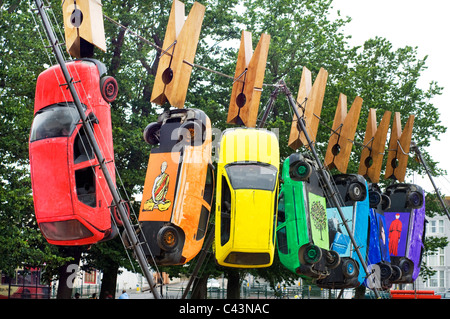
<point>72,201</point>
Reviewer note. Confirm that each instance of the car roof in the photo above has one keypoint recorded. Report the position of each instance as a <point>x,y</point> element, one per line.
<point>249,145</point>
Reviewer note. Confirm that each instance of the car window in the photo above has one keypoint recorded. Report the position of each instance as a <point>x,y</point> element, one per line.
<point>225,213</point>
<point>57,120</point>
<point>252,176</point>
<point>281,212</point>
<point>282,240</point>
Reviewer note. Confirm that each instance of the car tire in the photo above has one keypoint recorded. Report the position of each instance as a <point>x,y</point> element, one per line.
<point>350,268</point>
<point>300,170</point>
<point>414,200</point>
<point>406,266</point>
<point>116,215</point>
<point>385,271</point>
<point>191,133</point>
<point>151,133</point>
<point>332,259</point>
<point>168,238</point>
<point>356,192</point>
<point>385,202</point>
<point>396,273</point>
<point>374,199</point>
<point>309,254</point>
<point>109,88</point>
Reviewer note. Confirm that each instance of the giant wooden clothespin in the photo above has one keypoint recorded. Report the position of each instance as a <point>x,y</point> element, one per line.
<point>176,59</point>
<point>399,144</point>
<point>343,132</point>
<point>310,99</point>
<point>374,146</point>
<point>83,26</point>
<point>248,80</point>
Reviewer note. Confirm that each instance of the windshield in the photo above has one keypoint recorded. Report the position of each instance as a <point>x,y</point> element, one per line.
<point>252,176</point>
<point>54,121</point>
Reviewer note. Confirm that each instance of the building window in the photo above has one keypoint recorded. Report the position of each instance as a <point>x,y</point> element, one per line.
<point>437,280</point>
<point>436,259</point>
<point>436,226</point>
<point>441,226</point>
<point>90,277</point>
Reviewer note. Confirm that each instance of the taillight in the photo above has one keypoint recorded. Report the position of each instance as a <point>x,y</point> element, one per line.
<point>65,230</point>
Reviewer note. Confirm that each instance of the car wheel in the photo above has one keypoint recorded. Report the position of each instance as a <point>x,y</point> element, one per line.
<point>151,133</point>
<point>385,271</point>
<point>333,259</point>
<point>396,273</point>
<point>191,133</point>
<point>374,199</point>
<point>309,254</point>
<point>414,200</point>
<point>356,192</point>
<point>116,215</point>
<point>349,268</point>
<point>109,88</point>
<point>406,266</point>
<point>385,202</point>
<point>300,170</point>
<point>167,238</point>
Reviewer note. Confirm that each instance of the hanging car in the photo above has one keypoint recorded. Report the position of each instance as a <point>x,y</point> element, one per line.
<point>302,229</point>
<point>179,186</point>
<point>72,200</point>
<point>378,250</point>
<point>246,198</point>
<point>405,225</point>
<point>354,197</point>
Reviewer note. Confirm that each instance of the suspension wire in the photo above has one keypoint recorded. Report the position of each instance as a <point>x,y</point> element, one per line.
<point>169,54</point>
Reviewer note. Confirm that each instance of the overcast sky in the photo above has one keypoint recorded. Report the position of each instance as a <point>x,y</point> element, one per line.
<point>415,23</point>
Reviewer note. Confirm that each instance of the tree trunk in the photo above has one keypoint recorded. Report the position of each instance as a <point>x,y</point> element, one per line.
<point>234,284</point>
<point>360,292</point>
<point>67,274</point>
<point>200,289</point>
<point>109,282</point>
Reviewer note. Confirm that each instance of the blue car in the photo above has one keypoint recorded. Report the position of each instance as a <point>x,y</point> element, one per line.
<point>353,191</point>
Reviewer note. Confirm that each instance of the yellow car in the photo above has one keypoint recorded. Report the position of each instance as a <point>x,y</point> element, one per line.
<point>246,198</point>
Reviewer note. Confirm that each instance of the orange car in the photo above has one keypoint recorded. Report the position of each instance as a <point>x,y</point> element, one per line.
<point>179,185</point>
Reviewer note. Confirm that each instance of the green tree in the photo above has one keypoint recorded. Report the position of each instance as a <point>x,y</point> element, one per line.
<point>21,243</point>
<point>302,34</point>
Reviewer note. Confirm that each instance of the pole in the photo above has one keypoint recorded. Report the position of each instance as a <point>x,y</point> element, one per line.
<point>201,259</point>
<point>273,97</point>
<point>90,134</point>
<point>302,128</point>
<point>422,161</point>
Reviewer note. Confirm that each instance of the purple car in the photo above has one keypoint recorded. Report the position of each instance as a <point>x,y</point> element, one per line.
<point>405,222</point>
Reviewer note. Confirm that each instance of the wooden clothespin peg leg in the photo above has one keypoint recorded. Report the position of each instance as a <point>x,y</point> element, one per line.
<point>248,80</point>
<point>343,132</point>
<point>374,146</point>
<point>399,144</point>
<point>83,27</point>
<point>310,100</point>
<point>176,59</point>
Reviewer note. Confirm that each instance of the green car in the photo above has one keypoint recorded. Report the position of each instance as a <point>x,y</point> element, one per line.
<point>302,229</point>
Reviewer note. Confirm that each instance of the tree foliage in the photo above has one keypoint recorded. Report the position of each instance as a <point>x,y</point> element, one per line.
<point>302,34</point>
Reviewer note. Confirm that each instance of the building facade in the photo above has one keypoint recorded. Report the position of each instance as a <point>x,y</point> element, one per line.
<point>438,226</point>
